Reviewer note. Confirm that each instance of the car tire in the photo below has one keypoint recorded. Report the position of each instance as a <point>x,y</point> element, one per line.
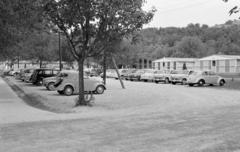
<point>201,82</point>
<point>50,86</point>
<point>167,80</point>
<point>184,81</point>
<point>173,83</point>
<point>190,84</point>
<point>156,81</point>
<point>100,89</point>
<point>68,90</point>
<point>221,82</point>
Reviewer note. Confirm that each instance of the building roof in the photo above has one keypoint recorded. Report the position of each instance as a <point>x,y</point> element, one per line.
<point>220,57</point>
<point>168,59</point>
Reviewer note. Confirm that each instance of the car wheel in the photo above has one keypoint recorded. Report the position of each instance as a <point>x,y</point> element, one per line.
<point>166,80</point>
<point>173,83</point>
<point>100,89</point>
<point>156,81</point>
<point>201,82</point>
<point>50,86</point>
<point>68,90</point>
<point>222,82</point>
<point>190,84</point>
<point>184,81</point>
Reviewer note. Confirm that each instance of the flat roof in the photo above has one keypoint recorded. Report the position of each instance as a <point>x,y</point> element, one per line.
<point>220,57</point>
<point>169,59</point>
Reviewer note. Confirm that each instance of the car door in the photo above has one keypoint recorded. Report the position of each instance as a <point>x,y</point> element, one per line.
<point>213,78</point>
<point>206,77</point>
<point>88,84</point>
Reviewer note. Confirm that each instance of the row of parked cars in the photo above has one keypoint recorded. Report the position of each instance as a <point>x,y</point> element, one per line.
<point>64,82</point>
<point>189,77</point>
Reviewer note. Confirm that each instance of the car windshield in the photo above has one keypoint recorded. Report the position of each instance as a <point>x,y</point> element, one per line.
<point>159,72</point>
<point>196,73</point>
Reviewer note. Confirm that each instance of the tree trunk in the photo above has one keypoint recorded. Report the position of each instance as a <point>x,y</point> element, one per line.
<point>40,64</point>
<point>81,100</point>
<point>116,68</point>
<point>104,68</point>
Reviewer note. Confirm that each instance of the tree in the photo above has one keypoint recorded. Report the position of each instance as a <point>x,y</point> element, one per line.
<point>90,26</point>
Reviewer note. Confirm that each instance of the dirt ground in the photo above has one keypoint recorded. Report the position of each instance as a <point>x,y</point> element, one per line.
<point>145,117</point>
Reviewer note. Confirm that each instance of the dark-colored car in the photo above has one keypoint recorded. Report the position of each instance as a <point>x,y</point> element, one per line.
<point>40,74</point>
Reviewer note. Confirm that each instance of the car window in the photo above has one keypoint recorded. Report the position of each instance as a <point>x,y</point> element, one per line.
<point>205,73</point>
<point>55,72</point>
<point>212,73</point>
<point>40,72</point>
<point>48,72</point>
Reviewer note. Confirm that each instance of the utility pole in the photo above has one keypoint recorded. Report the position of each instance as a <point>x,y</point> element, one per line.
<point>59,49</point>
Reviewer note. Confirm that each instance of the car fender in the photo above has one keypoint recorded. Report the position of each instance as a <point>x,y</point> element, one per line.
<point>61,87</point>
<point>219,79</point>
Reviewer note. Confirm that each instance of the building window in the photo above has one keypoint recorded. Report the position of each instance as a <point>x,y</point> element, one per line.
<point>145,63</point>
<point>163,64</point>
<point>150,64</point>
<point>168,64</point>
<point>214,63</point>
<point>140,64</point>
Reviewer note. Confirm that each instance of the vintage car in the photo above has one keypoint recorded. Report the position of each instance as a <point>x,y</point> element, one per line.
<point>148,75</point>
<point>110,73</point>
<point>49,82</point>
<point>162,76</point>
<point>39,74</point>
<point>127,72</point>
<point>26,73</point>
<point>205,77</point>
<point>67,84</point>
<point>136,75</point>
<point>180,76</point>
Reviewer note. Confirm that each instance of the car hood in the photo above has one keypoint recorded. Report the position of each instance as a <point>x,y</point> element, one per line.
<point>179,75</point>
<point>50,78</point>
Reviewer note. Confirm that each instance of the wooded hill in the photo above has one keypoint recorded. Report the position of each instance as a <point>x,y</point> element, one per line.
<point>192,41</point>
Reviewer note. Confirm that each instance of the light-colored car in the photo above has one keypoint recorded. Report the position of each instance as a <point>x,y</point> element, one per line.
<point>68,84</point>
<point>180,76</point>
<point>49,82</point>
<point>110,73</point>
<point>205,77</point>
<point>148,75</point>
<point>162,76</point>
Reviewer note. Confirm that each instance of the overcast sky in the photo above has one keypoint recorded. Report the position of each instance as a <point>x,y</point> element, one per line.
<point>180,13</point>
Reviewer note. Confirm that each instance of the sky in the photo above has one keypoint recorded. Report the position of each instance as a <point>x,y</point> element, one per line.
<point>180,13</point>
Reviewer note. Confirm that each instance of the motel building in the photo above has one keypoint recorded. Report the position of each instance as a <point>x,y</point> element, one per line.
<point>219,63</point>
<point>168,63</point>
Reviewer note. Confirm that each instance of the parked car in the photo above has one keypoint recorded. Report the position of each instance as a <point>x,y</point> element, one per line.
<point>14,72</point>
<point>205,77</point>
<point>125,73</point>
<point>162,76</point>
<point>148,75</point>
<point>136,75</point>
<point>50,82</point>
<point>180,76</point>
<point>24,73</point>
<point>40,74</point>
<point>68,84</point>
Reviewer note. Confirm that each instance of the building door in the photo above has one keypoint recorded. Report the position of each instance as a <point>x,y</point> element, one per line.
<point>213,67</point>
<point>174,65</point>
<point>227,66</point>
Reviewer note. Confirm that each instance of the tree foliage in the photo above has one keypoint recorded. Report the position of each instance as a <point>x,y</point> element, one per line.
<point>90,26</point>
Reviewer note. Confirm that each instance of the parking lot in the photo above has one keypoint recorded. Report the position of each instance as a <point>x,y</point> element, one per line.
<point>142,117</point>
